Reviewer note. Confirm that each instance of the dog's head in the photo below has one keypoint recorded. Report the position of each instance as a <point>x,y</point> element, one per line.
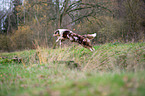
<point>56,33</point>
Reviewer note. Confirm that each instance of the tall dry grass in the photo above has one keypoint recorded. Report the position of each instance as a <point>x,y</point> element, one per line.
<point>107,57</point>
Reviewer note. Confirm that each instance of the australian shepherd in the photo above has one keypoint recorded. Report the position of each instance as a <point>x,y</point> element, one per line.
<point>84,40</point>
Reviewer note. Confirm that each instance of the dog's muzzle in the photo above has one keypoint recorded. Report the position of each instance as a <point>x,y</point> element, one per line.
<point>56,35</point>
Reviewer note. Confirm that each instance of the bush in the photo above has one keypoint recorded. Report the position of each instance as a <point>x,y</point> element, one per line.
<point>112,31</point>
<point>131,12</point>
<point>22,38</point>
<point>5,43</point>
<point>108,29</point>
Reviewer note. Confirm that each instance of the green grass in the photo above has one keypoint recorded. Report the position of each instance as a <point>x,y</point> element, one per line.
<point>112,70</point>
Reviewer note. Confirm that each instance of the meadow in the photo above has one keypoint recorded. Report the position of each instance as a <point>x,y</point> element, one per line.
<point>114,69</point>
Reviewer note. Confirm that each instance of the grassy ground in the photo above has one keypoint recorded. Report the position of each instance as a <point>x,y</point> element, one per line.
<point>112,70</point>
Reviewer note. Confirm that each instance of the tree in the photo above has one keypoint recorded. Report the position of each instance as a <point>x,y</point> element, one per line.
<point>9,17</point>
<point>131,12</point>
<point>39,18</point>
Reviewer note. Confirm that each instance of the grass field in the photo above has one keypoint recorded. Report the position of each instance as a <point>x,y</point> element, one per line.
<point>112,70</point>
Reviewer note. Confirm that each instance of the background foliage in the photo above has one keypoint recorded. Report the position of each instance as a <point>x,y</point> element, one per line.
<point>29,21</point>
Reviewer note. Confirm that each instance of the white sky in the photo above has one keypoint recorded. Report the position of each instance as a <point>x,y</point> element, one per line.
<point>4,4</point>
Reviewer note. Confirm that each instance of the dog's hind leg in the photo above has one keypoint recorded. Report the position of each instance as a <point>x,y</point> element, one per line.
<point>89,47</point>
<point>92,49</point>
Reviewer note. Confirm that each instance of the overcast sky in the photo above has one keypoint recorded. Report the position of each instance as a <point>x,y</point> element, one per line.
<point>4,4</point>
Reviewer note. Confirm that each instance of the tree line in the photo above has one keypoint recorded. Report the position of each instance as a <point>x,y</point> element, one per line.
<point>29,21</point>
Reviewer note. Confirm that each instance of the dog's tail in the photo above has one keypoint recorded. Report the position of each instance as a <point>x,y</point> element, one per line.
<point>90,36</point>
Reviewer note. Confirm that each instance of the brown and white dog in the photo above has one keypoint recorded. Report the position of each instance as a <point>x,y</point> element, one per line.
<point>84,40</point>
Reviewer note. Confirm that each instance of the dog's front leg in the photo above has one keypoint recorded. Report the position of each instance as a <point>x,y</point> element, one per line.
<point>57,39</point>
<point>60,42</point>
<point>60,38</point>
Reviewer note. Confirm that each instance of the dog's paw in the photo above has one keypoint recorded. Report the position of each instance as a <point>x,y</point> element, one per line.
<point>57,40</point>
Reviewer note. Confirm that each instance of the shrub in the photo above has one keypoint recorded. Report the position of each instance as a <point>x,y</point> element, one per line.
<point>108,29</point>
<point>112,31</point>
<point>5,43</point>
<point>22,38</point>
